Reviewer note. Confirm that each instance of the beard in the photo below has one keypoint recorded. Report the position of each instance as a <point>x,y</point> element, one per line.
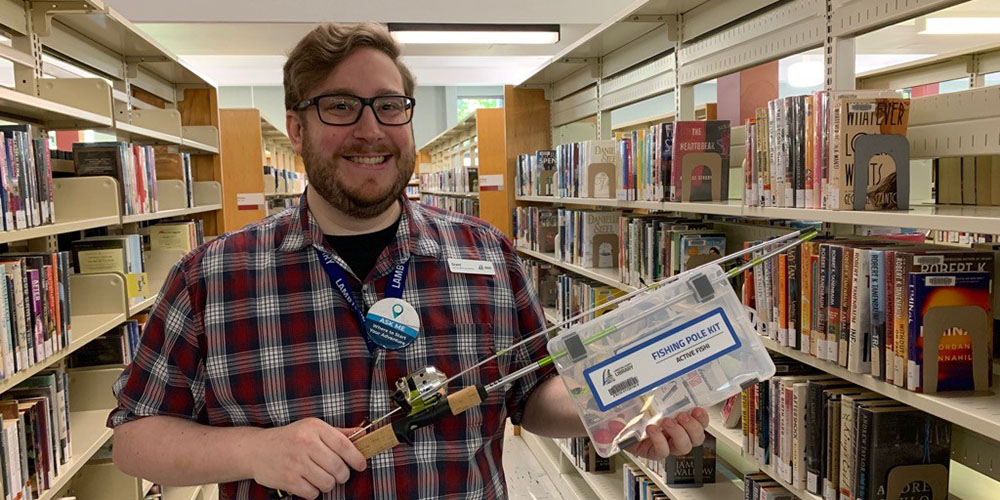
<point>362,202</point>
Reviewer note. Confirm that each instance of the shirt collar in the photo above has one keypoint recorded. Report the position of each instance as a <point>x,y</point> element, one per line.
<point>415,235</point>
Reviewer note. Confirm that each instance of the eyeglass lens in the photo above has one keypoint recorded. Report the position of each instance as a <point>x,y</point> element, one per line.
<point>344,110</point>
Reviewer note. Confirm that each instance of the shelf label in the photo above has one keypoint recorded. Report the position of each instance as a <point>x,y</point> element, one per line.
<point>660,359</point>
<point>491,182</point>
<point>250,201</point>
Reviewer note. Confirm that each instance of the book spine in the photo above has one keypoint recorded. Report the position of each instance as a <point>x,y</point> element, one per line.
<point>806,292</point>
<point>854,342</point>
<point>862,466</point>
<point>847,298</point>
<point>794,297</point>
<point>783,299</point>
<point>876,300</point>
<point>822,309</point>
<point>799,435</point>
<point>835,274</point>
<point>890,316</point>
<point>35,285</point>
<point>901,307</point>
<point>814,441</point>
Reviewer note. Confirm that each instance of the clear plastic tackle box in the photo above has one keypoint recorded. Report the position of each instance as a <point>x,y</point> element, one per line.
<point>685,344</point>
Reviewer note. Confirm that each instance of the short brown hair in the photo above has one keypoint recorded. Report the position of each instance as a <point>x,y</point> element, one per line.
<point>326,46</point>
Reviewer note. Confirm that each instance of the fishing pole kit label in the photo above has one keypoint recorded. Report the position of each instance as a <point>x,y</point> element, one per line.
<point>685,344</point>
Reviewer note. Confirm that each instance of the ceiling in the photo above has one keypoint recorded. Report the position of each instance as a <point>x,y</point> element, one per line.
<point>234,42</point>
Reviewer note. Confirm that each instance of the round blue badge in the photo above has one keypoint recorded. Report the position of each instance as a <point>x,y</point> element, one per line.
<point>392,323</point>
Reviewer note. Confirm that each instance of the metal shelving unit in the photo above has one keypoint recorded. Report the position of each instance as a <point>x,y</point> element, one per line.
<point>144,95</point>
<point>655,47</point>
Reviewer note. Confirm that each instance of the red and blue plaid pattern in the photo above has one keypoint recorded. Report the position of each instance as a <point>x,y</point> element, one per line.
<point>248,331</point>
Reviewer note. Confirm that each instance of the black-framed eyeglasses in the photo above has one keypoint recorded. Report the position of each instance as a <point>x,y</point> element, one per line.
<point>346,109</point>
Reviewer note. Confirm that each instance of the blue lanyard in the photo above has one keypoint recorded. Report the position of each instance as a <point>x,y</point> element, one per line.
<point>393,288</point>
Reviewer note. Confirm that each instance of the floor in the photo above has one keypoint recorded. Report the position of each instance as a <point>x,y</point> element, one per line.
<point>526,479</point>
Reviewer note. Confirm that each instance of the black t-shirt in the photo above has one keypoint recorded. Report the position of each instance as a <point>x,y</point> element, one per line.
<point>361,251</point>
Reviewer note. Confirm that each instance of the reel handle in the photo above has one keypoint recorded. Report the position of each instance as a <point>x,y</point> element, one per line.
<point>388,436</point>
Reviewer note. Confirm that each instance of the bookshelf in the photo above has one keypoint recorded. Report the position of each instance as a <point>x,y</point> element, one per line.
<point>251,174</point>
<point>558,464</point>
<point>489,140</point>
<point>565,477</point>
<point>653,47</point>
<point>146,96</point>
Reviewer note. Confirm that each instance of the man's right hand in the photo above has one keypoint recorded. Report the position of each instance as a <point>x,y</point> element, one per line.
<point>305,458</point>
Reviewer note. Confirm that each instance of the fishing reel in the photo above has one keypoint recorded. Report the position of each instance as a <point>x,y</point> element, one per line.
<point>420,390</point>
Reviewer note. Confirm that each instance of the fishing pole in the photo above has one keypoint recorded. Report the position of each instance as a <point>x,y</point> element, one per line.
<point>567,321</point>
<point>423,394</point>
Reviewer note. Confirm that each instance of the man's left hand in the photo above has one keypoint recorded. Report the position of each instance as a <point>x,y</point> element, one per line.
<point>674,436</point>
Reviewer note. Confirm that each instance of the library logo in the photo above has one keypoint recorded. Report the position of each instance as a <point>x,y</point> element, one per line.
<point>607,377</point>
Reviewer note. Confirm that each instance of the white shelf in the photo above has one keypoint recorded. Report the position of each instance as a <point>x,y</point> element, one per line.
<point>977,219</point>
<point>727,207</point>
<point>140,135</point>
<point>451,193</point>
<point>166,214</point>
<point>195,147</point>
<point>555,200</point>
<point>89,434</point>
<point>732,438</point>
<point>51,115</point>
<point>107,27</point>
<point>137,307</point>
<point>722,489</point>
<point>57,228</point>
<point>571,484</point>
<point>606,276</point>
<point>607,486</point>
<point>551,315</point>
<point>85,328</point>
<point>970,218</point>
<point>978,413</point>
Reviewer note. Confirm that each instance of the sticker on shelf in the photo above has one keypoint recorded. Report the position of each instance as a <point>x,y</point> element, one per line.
<point>250,201</point>
<point>491,182</point>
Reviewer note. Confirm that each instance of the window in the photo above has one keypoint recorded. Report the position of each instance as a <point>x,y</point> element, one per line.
<point>992,78</point>
<point>468,105</point>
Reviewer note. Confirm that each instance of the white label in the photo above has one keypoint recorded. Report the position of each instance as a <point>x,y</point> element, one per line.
<point>491,182</point>
<point>912,375</point>
<point>660,359</point>
<point>466,266</point>
<point>250,201</point>
<point>812,482</point>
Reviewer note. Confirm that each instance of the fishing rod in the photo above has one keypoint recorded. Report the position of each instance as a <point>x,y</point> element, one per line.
<point>423,395</point>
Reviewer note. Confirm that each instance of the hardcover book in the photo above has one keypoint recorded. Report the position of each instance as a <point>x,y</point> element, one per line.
<point>700,160</point>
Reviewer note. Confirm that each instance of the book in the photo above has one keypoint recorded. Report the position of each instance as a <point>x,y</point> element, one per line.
<point>866,116</point>
<point>948,279</point>
<point>890,438</point>
<point>700,160</point>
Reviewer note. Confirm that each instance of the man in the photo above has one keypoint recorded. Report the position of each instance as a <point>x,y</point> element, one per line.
<point>255,365</point>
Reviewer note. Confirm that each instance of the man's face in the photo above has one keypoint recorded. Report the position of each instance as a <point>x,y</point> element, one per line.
<point>360,169</point>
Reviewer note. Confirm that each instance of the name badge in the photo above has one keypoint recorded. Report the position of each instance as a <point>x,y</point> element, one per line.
<point>392,323</point>
<point>466,266</point>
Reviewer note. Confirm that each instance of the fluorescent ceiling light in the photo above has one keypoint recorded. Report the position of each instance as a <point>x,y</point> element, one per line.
<point>485,34</point>
<point>962,26</point>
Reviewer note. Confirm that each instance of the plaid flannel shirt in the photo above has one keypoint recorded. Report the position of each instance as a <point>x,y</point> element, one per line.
<point>248,331</point>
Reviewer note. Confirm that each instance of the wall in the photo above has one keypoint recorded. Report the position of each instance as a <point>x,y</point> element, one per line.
<point>270,100</point>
